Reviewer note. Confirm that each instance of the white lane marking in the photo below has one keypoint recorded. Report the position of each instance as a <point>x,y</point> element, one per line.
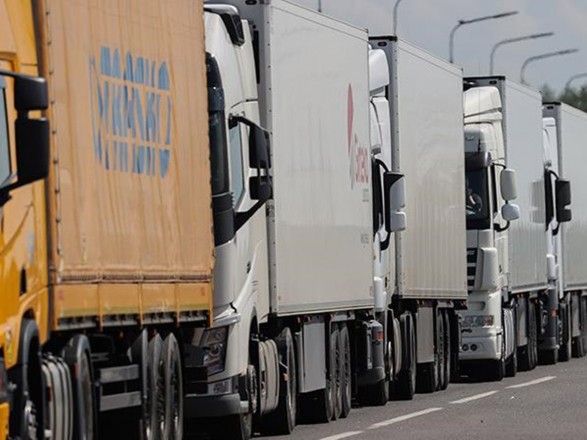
<point>532,382</point>
<point>402,418</point>
<point>475,397</point>
<point>343,435</point>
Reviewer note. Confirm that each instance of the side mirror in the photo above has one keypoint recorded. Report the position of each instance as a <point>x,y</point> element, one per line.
<point>32,135</point>
<point>563,199</point>
<point>507,183</point>
<point>261,186</point>
<point>260,158</point>
<point>395,193</point>
<point>510,212</point>
<point>32,150</point>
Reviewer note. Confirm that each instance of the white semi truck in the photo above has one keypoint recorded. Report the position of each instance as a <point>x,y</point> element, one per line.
<point>565,129</point>
<point>427,283</point>
<point>294,308</point>
<point>421,273</point>
<point>506,245</point>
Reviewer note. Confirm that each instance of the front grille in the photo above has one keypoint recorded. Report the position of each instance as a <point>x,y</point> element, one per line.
<point>471,267</point>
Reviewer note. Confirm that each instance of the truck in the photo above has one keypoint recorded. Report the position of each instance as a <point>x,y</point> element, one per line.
<point>564,127</point>
<point>293,299</point>
<point>506,242</point>
<point>425,284</point>
<point>106,233</point>
<point>315,318</point>
<point>419,132</point>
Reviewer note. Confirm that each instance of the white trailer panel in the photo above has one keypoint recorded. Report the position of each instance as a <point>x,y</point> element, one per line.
<point>428,137</point>
<point>523,131</point>
<point>572,152</point>
<point>318,114</point>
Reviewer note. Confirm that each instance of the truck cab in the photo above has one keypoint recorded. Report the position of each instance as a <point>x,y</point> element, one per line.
<point>24,161</point>
<point>487,329</point>
<point>219,384</point>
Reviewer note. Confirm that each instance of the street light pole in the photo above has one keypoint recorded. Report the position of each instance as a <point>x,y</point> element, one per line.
<point>460,23</point>
<point>514,40</point>
<point>542,57</point>
<point>573,78</point>
<point>395,7</point>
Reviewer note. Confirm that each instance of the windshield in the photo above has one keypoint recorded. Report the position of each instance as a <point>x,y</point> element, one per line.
<point>476,195</point>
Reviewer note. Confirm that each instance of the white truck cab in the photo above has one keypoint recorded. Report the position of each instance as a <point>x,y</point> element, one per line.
<point>488,328</point>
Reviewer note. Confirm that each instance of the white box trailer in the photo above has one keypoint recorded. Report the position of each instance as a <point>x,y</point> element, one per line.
<point>427,146</point>
<point>522,130</point>
<point>318,114</point>
<point>571,132</point>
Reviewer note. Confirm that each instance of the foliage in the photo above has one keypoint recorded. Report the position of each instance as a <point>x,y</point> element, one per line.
<point>574,96</point>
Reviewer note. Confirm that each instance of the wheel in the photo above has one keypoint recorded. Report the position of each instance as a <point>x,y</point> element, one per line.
<point>155,422</point>
<point>28,405</point>
<point>427,373</point>
<point>548,357</point>
<point>447,351</point>
<point>406,382</point>
<point>564,353</point>
<point>494,371</point>
<point>376,394</point>
<point>283,420</point>
<point>173,382</point>
<point>528,355</point>
<point>426,378</point>
<point>511,365</point>
<point>335,376</point>
<point>345,373</point>
<point>534,337</point>
<point>441,349</point>
<point>59,409</point>
<point>240,426</point>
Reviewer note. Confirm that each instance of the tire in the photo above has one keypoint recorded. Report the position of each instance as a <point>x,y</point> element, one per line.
<point>239,427</point>
<point>346,373</point>
<point>548,357</point>
<point>565,351</point>
<point>441,349</point>
<point>406,382</point>
<point>335,375</point>
<point>28,405</point>
<point>283,420</point>
<point>155,423</point>
<point>534,334</point>
<point>494,371</point>
<point>511,364</point>
<point>528,355</point>
<point>426,381</point>
<point>173,382</point>
<point>447,351</point>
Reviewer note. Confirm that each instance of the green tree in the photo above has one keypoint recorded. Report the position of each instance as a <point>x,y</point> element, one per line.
<point>575,96</point>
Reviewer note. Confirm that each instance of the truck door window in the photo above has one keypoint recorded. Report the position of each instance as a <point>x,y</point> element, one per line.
<point>4,143</point>
<point>236,162</point>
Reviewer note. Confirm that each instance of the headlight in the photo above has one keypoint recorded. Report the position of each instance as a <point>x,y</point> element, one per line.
<point>214,341</point>
<point>477,321</point>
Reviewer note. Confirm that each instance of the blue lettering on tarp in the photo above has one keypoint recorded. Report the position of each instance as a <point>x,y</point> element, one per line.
<point>131,113</point>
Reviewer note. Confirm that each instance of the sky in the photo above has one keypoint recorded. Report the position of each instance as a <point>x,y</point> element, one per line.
<point>427,24</point>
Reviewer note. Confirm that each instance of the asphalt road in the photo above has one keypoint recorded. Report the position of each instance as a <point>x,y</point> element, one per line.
<point>549,402</point>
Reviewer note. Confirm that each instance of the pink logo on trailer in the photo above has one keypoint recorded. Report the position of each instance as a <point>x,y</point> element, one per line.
<point>357,152</point>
